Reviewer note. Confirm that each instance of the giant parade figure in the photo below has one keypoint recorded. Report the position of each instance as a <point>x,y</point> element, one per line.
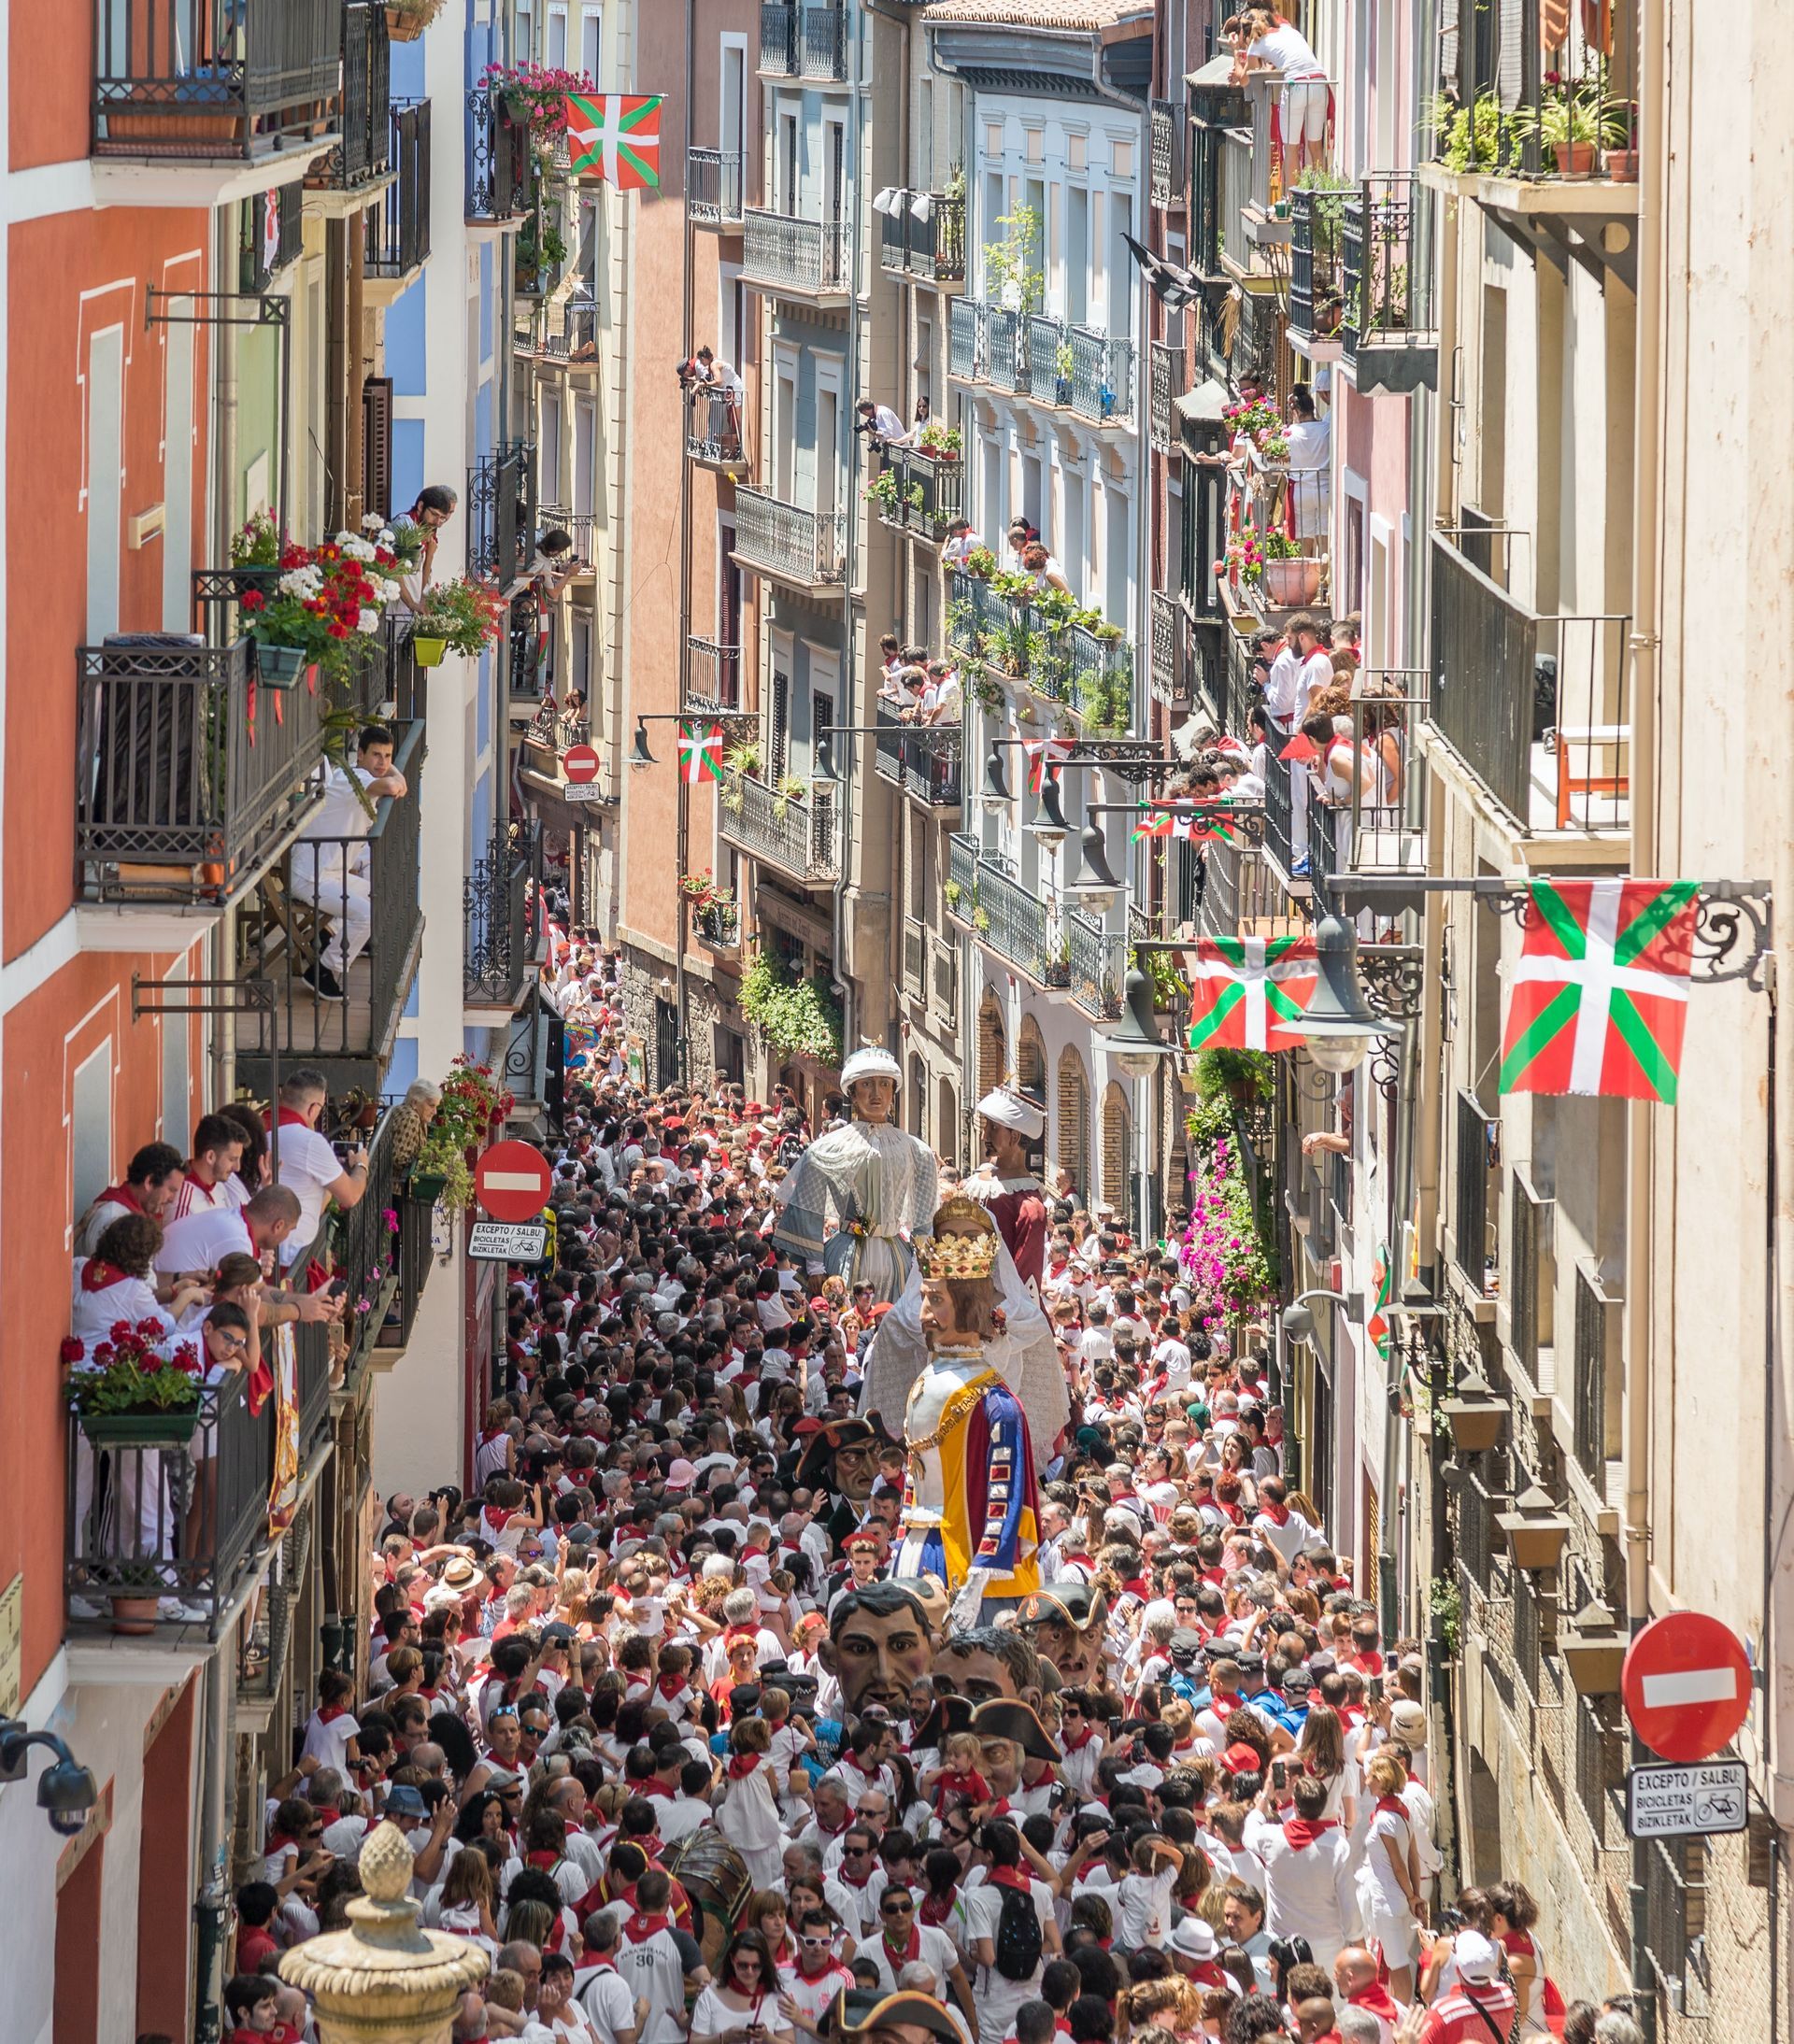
<point>876,1184</point>
<point>971,1507</point>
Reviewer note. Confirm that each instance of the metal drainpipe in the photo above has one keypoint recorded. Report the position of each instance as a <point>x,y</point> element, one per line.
<point>211,1905</point>
<point>894,926</point>
<point>688,290</point>
<point>840,983</point>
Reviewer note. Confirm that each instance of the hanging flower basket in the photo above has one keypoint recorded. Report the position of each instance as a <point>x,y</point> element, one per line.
<point>428,650</point>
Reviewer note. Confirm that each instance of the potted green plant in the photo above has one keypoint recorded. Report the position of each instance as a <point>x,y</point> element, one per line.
<point>1289,577</point>
<point>440,1176</point>
<point>406,20</point>
<point>455,617</point>
<point>138,1388</point>
<point>981,563</point>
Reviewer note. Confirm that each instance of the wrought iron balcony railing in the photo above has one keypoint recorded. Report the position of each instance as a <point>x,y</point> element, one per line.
<point>398,229</point>
<point>713,427</point>
<point>500,514</point>
<point>1005,916</point>
<point>802,257</point>
<point>501,165</point>
<point>1388,330</point>
<point>713,188</point>
<point>215,80</point>
<point>364,151</point>
<point>713,675</point>
<point>187,780</point>
<point>922,761</point>
<point>1166,168</point>
<point>804,42</point>
<point>1316,226</point>
<point>789,541</point>
<point>793,832</point>
<point>335,927</point>
<point>1165,365</point>
<point>930,243</point>
<point>259,259</point>
<point>916,492</point>
<point>495,902</point>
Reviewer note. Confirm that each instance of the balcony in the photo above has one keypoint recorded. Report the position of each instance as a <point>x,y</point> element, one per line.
<point>501,165</point>
<point>1389,332</point>
<point>215,81</point>
<point>343,911</point>
<point>1098,959</point>
<point>384,1267</point>
<point>929,244</point>
<point>717,926</point>
<point>1538,709</point>
<point>364,152</point>
<point>713,188</point>
<point>1006,917</point>
<point>1266,208</point>
<point>1558,128</point>
<point>923,761</point>
<point>1236,182</point>
<point>799,42</point>
<point>805,549</point>
<point>1035,648</point>
<point>398,229</point>
<point>1166,383</point>
<point>258,263</point>
<point>796,258</point>
<point>186,781</point>
<point>1380,827</point>
<point>918,492</point>
<point>495,906</point>
<point>1166,170</point>
<point>551,736</point>
<point>793,833</point>
<point>1316,282</point>
<point>713,676</point>
<point>1170,676</point>
<point>500,514</point>
<point>713,428</point>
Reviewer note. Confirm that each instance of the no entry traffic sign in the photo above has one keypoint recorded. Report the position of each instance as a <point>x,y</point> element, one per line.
<point>511,1181</point>
<point>579,764</point>
<point>1686,1685</point>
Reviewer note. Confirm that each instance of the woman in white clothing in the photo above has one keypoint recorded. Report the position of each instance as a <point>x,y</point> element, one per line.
<point>1388,1881</point>
<point>1320,1751</point>
<point>741,2005</point>
<point>748,1817</point>
<point>1272,44</point>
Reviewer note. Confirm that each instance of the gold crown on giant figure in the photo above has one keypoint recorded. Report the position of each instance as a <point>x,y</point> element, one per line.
<point>956,1255</point>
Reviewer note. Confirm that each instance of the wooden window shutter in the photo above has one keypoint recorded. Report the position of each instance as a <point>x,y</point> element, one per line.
<point>377,445</point>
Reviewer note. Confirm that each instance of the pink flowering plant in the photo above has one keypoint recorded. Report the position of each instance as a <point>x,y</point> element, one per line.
<point>1228,1259</point>
<point>538,93</point>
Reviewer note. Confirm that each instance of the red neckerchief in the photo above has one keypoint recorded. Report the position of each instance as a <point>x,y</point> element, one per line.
<point>655,1791</point>
<point>290,1118</point>
<point>1205,1973</point>
<point>1395,1807</point>
<point>120,1196</point>
<point>1137,1586</point>
<point>1077,1745</point>
<point>856,1881</point>
<point>1230,1513</point>
<point>203,1184</point>
<point>911,1952</point>
<point>497,1518</point>
<point>99,1277</point>
<point>1300,1832</point>
<point>1011,1877</point>
<point>742,1764</point>
<point>1277,1514</point>
<point>1377,2000</point>
<point>671,1686</point>
<point>1225,1703</point>
<point>329,1713</point>
<point>935,1909</point>
<point>834,1830</point>
<point>542,1859</point>
<point>1080,1558</point>
<point>640,1928</point>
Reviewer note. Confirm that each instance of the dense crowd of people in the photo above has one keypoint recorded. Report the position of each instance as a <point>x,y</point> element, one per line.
<point>675,1748</point>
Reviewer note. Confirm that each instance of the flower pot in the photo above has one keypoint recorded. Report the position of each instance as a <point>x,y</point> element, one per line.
<point>279,666</point>
<point>403,28</point>
<point>1575,158</point>
<point>1292,581</point>
<point>139,1429</point>
<point>1622,166</point>
<point>426,1186</point>
<point>427,651</point>
<point>134,1617</point>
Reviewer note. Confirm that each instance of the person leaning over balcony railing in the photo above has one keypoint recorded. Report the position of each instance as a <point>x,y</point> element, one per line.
<point>218,1149</point>
<point>1263,41</point>
<point>150,1187</point>
<point>329,871</point>
<point>114,1283</point>
<point>1044,568</point>
<point>1311,473</point>
<point>960,543</point>
<point>435,506</point>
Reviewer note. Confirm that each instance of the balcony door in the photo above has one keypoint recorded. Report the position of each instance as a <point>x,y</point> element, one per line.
<point>104,479</point>
<point>828,439</point>
<point>730,114</point>
<point>788,164</point>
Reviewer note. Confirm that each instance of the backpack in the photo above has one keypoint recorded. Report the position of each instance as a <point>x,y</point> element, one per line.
<point>1019,1939</point>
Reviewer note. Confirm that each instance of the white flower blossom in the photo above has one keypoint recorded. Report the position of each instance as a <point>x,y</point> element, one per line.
<point>302,582</point>
<point>372,521</point>
<point>369,621</point>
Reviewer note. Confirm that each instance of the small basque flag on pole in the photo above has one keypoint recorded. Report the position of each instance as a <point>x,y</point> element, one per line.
<point>615,137</point>
<point>700,753</point>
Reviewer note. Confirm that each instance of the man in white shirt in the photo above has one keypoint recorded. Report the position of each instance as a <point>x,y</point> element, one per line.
<point>330,858</point>
<point>1309,1889</point>
<point>309,1166</point>
<point>882,424</point>
<point>217,1150</point>
<point>201,1242</point>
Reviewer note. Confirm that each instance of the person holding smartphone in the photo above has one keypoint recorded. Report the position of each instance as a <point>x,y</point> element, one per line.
<point>741,2006</point>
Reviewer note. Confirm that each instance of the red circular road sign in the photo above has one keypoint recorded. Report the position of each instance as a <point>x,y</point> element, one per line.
<point>1686,1685</point>
<point>511,1181</point>
<point>580,763</point>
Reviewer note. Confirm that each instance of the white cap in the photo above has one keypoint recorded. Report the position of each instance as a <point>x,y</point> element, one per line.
<point>1477,1959</point>
<point>1008,1110</point>
<point>869,1063</point>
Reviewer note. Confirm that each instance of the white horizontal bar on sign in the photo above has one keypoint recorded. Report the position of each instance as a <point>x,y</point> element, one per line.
<point>1690,1685</point>
<point>511,1182</point>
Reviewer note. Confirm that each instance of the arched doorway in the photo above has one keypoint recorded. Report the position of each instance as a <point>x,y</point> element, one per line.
<point>1117,1149</point>
<point>946,1125</point>
<point>1074,1122</point>
<point>993,1049</point>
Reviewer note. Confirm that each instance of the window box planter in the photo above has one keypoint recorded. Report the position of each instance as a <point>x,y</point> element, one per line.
<point>162,1429</point>
<point>427,650</point>
<point>280,667</point>
<point>426,1187</point>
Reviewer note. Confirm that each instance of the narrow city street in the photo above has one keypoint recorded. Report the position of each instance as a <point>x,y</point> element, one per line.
<point>895,1016</point>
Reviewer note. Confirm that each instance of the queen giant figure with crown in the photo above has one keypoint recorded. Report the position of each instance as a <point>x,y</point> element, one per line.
<point>971,1507</point>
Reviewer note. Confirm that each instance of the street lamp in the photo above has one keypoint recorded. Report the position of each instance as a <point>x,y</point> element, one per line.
<point>1047,823</point>
<point>1338,1026</point>
<point>1134,1042</point>
<point>1096,883</point>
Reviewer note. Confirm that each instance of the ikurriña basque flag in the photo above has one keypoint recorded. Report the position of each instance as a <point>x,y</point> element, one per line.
<point>615,137</point>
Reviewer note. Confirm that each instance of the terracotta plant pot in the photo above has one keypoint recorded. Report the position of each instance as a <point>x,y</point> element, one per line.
<point>1575,158</point>
<point>1620,165</point>
<point>403,28</point>
<point>1292,581</point>
<point>134,1617</point>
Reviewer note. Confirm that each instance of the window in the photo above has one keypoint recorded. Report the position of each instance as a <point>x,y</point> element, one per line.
<point>548,447</point>
<point>585,456</point>
<point>175,1102</point>
<point>1077,255</point>
<point>91,1129</point>
<point>522,31</point>
<point>780,726</point>
<point>788,164</point>
<point>821,716</point>
<point>732,119</point>
<point>557,39</point>
<point>105,480</point>
<point>590,44</point>
<point>178,477</point>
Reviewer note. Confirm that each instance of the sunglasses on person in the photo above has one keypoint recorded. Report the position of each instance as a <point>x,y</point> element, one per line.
<point>501,1710</point>
<point>898,1905</point>
<point>816,1944</point>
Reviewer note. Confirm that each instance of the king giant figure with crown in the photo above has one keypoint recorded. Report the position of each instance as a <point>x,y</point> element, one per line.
<point>971,1507</point>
